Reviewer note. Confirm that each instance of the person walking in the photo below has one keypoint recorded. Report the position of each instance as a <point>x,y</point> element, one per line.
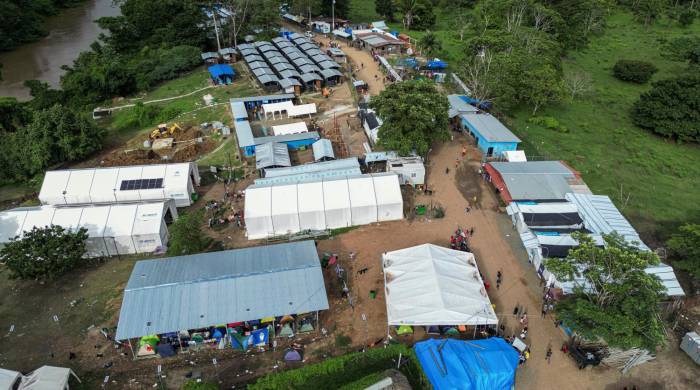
<point>548,356</point>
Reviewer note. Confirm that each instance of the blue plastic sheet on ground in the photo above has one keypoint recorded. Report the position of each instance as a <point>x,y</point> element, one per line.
<point>451,364</point>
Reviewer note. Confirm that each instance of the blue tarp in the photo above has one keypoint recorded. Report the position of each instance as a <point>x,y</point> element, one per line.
<point>483,105</point>
<point>222,73</point>
<point>488,364</point>
<point>436,64</point>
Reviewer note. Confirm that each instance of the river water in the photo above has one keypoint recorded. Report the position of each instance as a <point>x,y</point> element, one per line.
<point>70,32</point>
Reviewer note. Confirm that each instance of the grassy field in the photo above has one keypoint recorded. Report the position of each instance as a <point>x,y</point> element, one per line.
<point>654,181</point>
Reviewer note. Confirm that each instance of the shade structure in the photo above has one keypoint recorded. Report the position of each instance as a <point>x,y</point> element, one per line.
<point>281,209</point>
<point>121,184</point>
<point>453,364</point>
<point>431,285</point>
<point>115,229</point>
<point>47,378</point>
<point>291,128</point>
<point>272,154</point>
<point>323,150</point>
<point>301,110</point>
<point>206,289</point>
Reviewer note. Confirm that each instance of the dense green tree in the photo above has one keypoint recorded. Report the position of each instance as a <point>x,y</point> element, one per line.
<point>424,17</point>
<point>414,114</point>
<point>43,96</point>
<point>44,253</point>
<point>13,114</point>
<point>634,71</point>
<point>385,8</point>
<point>671,108</point>
<point>265,18</point>
<point>431,44</point>
<point>686,17</point>
<point>342,7</point>
<point>617,300</point>
<point>22,21</point>
<point>192,384</point>
<point>584,18</point>
<point>685,248</point>
<point>186,236</point>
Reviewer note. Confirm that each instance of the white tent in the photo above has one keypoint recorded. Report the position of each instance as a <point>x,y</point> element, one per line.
<point>301,110</point>
<point>431,285</point>
<point>48,378</point>
<point>121,184</point>
<point>112,229</point>
<point>277,108</point>
<point>291,128</point>
<point>515,156</point>
<point>273,210</point>
<point>9,379</point>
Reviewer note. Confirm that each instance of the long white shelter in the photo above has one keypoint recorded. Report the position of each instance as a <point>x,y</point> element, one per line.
<point>429,285</point>
<point>121,184</point>
<point>115,229</point>
<point>290,128</point>
<point>276,210</point>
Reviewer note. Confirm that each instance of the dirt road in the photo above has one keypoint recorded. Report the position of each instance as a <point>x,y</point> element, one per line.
<point>363,64</point>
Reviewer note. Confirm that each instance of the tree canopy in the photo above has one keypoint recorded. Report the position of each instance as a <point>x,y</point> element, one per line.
<point>186,236</point>
<point>44,253</point>
<point>618,301</point>
<point>414,114</point>
<point>671,108</point>
<point>685,248</point>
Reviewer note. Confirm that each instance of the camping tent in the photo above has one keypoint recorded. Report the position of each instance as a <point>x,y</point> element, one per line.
<point>431,285</point>
<point>112,229</point>
<point>272,210</point>
<point>468,365</point>
<point>121,184</point>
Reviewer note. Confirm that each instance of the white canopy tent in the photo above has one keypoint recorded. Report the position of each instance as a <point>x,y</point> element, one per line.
<point>48,378</point>
<point>301,110</point>
<point>274,210</point>
<point>291,128</point>
<point>276,108</point>
<point>121,184</point>
<point>9,379</point>
<point>431,285</point>
<point>112,229</point>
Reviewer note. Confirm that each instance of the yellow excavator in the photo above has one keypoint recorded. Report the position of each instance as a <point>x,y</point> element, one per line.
<point>163,131</point>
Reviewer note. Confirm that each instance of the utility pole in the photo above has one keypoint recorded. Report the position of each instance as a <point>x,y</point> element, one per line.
<point>216,29</point>
<point>333,12</point>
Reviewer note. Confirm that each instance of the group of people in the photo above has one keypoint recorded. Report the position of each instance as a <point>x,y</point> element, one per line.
<point>459,240</point>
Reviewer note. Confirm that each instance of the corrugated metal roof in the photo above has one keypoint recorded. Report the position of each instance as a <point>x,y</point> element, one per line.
<point>272,154</point>
<point>328,73</point>
<point>379,156</point>
<point>264,98</point>
<point>323,148</point>
<point>287,137</point>
<point>252,58</point>
<point>239,111</point>
<point>263,71</point>
<point>244,134</point>
<point>535,180</point>
<point>309,77</point>
<point>310,176</point>
<point>188,292</point>
<point>288,82</point>
<point>490,128</point>
<point>268,78</point>
<point>458,106</point>
<point>345,163</point>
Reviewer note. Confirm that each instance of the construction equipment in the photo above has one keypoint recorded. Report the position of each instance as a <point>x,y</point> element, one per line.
<point>163,131</point>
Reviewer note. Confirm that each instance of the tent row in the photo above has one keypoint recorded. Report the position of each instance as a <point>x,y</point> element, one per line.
<point>121,184</point>
<point>115,229</point>
<point>276,210</point>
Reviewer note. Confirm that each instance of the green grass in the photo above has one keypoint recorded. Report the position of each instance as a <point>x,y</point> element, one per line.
<point>365,382</point>
<point>363,11</point>
<point>661,177</point>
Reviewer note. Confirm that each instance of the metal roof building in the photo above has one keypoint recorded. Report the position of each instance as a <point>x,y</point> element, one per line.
<point>459,106</point>
<point>309,135</point>
<point>490,128</point>
<point>189,292</point>
<point>314,167</point>
<point>310,176</point>
<point>323,150</point>
<point>272,154</point>
<point>534,180</point>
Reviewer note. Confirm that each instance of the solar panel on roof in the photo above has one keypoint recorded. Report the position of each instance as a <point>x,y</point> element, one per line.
<point>141,184</point>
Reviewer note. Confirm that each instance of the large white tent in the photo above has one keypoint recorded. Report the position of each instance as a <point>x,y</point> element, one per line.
<point>116,229</point>
<point>290,128</point>
<point>121,184</point>
<point>430,285</point>
<point>273,210</point>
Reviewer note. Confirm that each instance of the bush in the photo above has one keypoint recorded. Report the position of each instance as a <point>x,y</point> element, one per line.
<point>186,236</point>
<point>634,71</point>
<point>671,108</point>
<point>44,253</point>
<point>137,117</point>
<point>192,384</point>
<point>336,372</point>
<point>686,18</point>
<point>548,122</point>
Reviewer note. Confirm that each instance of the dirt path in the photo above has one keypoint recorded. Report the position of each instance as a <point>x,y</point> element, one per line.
<point>493,252</point>
<point>364,65</point>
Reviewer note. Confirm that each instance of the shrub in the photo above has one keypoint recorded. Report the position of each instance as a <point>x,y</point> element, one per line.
<point>548,122</point>
<point>44,253</point>
<point>186,236</point>
<point>634,71</point>
<point>192,384</point>
<point>137,117</point>
<point>336,372</point>
<point>686,17</point>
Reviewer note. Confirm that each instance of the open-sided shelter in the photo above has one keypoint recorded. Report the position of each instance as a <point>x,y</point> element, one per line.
<point>277,210</point>
<point>221,74</point>
<point>201,291</point>
<point>428,285</point>
<point>115,229</point>
<point>121,184</point>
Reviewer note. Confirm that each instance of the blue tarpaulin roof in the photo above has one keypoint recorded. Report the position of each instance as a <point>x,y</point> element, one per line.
<point>469,365</point>
<point>437,64</point>
<point>219,70</point>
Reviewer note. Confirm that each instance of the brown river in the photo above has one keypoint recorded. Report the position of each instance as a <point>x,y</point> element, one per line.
<point>70,32</point>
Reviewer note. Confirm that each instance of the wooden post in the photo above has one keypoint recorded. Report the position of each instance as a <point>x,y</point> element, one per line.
<point>132,349</point>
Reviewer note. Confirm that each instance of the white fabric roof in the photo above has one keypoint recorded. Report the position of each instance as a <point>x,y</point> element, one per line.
<point>302,109</point>
<point>8,378</point>
<point>291,128</point>
<point>47,378</point>
<point>103,185</point>
<point>515,156</point>
<point>431,285</point>
<point>277,107</point>
<point>272,210</point>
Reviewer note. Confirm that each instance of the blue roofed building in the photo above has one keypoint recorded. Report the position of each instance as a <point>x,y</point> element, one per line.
<point>221,74</point>
<point>491,136</point>
<point>452,364</point>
